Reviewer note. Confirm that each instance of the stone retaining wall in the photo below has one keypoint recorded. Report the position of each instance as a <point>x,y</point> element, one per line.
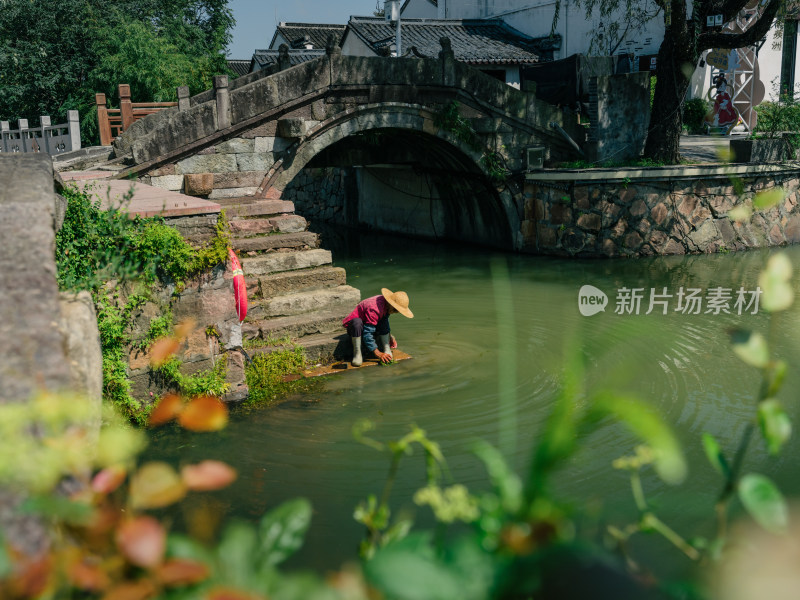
<point>319,194</point>
<point>669,210</point>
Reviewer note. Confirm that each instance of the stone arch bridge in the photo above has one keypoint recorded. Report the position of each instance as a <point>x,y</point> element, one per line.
<point>422,170</point>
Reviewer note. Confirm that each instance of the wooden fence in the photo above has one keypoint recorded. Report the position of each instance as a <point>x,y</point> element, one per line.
<point>113,121</point>
<point>47,138</point>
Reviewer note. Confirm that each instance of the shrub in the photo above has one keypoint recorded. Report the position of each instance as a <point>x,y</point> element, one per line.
<point>694,113</point>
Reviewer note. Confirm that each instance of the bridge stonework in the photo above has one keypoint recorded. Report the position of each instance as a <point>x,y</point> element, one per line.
<point>263,131</point>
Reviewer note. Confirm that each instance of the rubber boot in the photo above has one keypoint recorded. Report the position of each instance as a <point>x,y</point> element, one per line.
<point>357,360</point>
<point>383,342</point>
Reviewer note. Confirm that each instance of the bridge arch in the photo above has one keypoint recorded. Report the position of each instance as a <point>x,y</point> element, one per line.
<point>463,203</point>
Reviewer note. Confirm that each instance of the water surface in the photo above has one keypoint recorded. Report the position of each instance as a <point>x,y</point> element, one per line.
<point>466,347</point>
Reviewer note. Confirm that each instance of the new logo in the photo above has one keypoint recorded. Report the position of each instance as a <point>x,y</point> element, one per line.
<point>591,300</point>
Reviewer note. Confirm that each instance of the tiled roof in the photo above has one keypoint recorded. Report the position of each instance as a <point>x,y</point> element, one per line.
<point>486,41</point>
<point>266,58</point>
<point>239,67</point>
<point>317,34</point>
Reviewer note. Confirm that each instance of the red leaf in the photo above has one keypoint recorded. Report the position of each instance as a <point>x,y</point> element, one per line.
<point>208,475</point>
<point>222,593</point>
<point>136,590</point>
<point>31,577</point>
<point>88,577</point>
<point>205,413</point>
<point>162,350</point>
<point>184,328</point>
<point>108,480</point>
<point>142,541</point>
<point>169,407</point>
<point>179,571</point>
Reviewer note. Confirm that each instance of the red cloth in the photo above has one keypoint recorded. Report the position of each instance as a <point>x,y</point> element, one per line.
<point>370,311</point>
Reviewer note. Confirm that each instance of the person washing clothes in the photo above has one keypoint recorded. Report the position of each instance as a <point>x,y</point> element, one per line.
<point>371,318</point>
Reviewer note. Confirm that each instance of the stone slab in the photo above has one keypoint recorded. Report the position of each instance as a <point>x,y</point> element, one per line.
<point>217,194</point>
<point>32,355</point>
<point>278,240</point>
<point>298,326</point>
<point>306,302</point>
<point>252,207</point>
<point>207,163</point>
<point>238,180</point>
<point>291,282</point>
<point>148,201</point>
<point>275,262</point>
<point>168,182</point>
<point>243,228</point>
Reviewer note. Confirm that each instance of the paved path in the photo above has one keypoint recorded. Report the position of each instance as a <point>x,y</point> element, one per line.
<point>707,148</point>
<point>147,201</point>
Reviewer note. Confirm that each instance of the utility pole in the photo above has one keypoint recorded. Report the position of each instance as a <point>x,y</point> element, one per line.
<point>391,11</point>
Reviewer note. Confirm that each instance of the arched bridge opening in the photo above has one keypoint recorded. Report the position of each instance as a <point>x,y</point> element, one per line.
<point>401,181</point>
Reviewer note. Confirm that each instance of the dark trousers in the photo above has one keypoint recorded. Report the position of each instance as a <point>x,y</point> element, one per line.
<point>355,327</point>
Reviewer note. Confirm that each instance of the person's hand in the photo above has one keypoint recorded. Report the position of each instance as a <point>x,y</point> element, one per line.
<point>392,342</point>
<point>384,357</point>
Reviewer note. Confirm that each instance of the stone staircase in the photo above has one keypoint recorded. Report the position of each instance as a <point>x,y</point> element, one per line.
<point>293,290</point>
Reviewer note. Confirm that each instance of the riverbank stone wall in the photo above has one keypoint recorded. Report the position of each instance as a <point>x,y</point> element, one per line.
<point>660,211</point>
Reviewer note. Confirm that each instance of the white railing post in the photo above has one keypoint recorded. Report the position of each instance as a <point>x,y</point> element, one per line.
<point>23,135</point>
<point>4,129</point>
<point>73,130</point>
<point>44,143</point>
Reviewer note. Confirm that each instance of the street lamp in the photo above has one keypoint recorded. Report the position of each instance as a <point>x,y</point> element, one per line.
<point>391,10</point>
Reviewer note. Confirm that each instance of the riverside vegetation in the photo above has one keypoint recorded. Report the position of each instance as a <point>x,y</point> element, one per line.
<point>124,263</point>
<point>515,539</point>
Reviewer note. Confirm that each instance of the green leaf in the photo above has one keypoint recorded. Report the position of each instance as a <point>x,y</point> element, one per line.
<point>505,481</point>
<point>768,198</point>
<point>58,507</point>
<point>775,376</point>
<point>283,528</point>
<point>715,456</point>
<point>776,427</point>
<point>236,555</point>
<point>409,570</point>
<point>750,347</point>
<point>774,283</point>
<point>6,566</point>
<point>558,441</point>
<point>182,546</point>
<point>646,423</point>
<point>764,502</point>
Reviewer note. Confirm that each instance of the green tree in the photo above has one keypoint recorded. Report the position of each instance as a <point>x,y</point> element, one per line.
<point>56,54</point>
<point>686,37</point>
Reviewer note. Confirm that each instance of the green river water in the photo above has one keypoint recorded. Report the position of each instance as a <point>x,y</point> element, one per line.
<point>490,325</point>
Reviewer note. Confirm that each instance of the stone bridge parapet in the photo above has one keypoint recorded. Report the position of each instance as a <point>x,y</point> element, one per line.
<point>287,104</point>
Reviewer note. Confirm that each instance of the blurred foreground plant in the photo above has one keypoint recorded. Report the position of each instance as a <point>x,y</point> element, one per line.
<point>107,535</point>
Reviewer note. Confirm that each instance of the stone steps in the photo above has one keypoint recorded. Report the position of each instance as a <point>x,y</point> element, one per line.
<point>294,290</point>
<point>274,241</point>
<point>276,262</point>
<point>339,297</point>
<point>243,228</point>
<point>254,207</point>
<point>297,326</point>
<point>291,282</point>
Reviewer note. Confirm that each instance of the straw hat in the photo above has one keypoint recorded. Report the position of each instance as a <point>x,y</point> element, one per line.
<point>399,300</point>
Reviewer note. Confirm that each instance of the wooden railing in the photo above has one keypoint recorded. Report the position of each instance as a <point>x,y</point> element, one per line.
<point>113,121</point>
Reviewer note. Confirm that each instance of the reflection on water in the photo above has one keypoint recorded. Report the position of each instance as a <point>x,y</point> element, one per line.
<point>681,364</point>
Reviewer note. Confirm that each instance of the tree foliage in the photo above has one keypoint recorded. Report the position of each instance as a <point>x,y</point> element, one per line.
<point>56,54</point>
<point>686,37</point>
